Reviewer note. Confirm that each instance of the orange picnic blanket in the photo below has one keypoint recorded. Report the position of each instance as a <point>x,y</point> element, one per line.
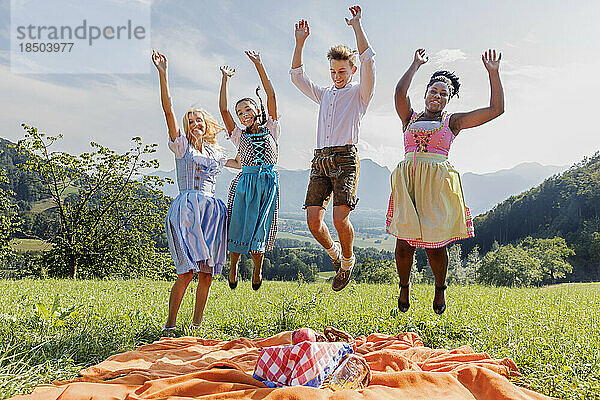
<point>194,368</point>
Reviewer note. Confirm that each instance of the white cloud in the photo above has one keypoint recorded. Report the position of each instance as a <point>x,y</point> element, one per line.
<point>448,56</point>
<point>530,38</point>
<point>110,112</point>
<point>112,109</point>
<point>188,58</point>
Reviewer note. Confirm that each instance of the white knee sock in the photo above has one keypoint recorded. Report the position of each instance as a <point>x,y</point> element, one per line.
<point>333,251</point>
<point>348,263</point>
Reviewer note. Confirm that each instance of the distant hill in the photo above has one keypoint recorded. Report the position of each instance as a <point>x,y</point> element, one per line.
<point>566,205</point>
<point>484,191</point>
<point>373,186</point>
<point>22,183</point>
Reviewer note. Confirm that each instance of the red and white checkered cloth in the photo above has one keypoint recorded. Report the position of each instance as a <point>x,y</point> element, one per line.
<point>306,363</point>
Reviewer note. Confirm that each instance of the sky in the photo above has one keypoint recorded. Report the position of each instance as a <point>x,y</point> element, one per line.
<point>550,71</point>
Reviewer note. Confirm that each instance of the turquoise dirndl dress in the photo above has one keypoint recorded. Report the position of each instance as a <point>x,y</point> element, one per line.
<point>196,223</point>
<point>254,194</point>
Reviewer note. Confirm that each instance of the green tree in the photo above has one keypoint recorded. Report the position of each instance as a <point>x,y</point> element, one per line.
<point>8,221</point>
<point>308,272</point>
<point>595,245</point>
<point>462,271</point>
<point>108,212</point>
<point>471,265</point>
<point>455,267</point>
<point>510,266</point>
<point>552,254</point>
<point>375,271</point>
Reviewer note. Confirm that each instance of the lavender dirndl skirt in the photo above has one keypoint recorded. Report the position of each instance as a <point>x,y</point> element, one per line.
<point>196,227</point>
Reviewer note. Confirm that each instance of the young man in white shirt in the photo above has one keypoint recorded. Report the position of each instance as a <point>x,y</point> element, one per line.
<point>335,166</point>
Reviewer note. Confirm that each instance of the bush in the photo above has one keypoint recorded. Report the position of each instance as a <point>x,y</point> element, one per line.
<point>510,266</point>
<point>372,271</point>
<point>531,262</point>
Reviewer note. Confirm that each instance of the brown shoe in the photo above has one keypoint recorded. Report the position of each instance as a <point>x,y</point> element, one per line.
<point>342,278</point>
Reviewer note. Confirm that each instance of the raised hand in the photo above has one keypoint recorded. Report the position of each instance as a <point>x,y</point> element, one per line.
<point>356,14</point>
<point>491,62</point>
<point>254,56</point>
<point>302,30</point>
<point>160,61</point>
<point>420,57</point>
<point>227,72</point>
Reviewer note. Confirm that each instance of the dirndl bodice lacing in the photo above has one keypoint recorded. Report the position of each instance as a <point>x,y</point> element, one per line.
<point>196,223</point>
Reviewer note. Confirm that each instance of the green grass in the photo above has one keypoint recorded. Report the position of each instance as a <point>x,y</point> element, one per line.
<point>552,333</point>
<point>46,204</point>
<point>289,235</point>
<point>22,245</point>
<point>381,242</point>
<point>42,205</point>
<point>387,242</point>
<point>325,276</point>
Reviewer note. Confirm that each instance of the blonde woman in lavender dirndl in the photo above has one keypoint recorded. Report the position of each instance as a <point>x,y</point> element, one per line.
<point>196,223</point>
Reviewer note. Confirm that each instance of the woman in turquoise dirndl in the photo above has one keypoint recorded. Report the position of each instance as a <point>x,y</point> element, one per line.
<point>254,193</point>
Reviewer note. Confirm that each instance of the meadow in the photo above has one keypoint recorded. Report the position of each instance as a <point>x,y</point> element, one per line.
<point>379,242</point>
<point>50,329</point>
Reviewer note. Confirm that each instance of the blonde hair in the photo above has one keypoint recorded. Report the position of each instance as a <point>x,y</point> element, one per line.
<point>211,127</point>
<point>341,52</point>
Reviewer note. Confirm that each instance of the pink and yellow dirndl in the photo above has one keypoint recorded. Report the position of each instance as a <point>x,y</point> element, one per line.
<point>427,206</point>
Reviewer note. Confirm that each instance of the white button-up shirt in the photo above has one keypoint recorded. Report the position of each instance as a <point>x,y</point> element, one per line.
<point>340,110</point>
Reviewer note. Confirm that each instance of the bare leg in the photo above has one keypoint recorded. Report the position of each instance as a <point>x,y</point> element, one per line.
<point>177,292</point>
<point>234,258</point>
<point>438,259</point>
<point>314,218</point>
<point>204,281</point>
<point>344,229</point>
<point>404,261</point>
<point>257,258</point>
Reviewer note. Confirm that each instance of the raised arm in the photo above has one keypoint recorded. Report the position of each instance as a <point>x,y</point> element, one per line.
<point>401,99</point>
<point>480,116</point>
<point>301,33</point>
<point>160,62</point>
<point>366,56</point>
<point>266,82</point>
<point>361,40</point>
<point>299,78</point>
<point>223,98</point>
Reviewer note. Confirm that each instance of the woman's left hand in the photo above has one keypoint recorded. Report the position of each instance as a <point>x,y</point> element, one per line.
<point>160,61</point>
<point>491,62</point>
<point>254,56</point>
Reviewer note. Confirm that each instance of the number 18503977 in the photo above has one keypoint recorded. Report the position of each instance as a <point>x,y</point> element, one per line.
<point>33,47</point>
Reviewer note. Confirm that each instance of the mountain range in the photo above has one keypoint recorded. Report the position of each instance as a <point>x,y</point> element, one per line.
<point>566,206</point>
<point>482,191</point>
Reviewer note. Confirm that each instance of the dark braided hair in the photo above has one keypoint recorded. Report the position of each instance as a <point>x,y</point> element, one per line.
<point>448,78</point>
<point>262,118</point>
